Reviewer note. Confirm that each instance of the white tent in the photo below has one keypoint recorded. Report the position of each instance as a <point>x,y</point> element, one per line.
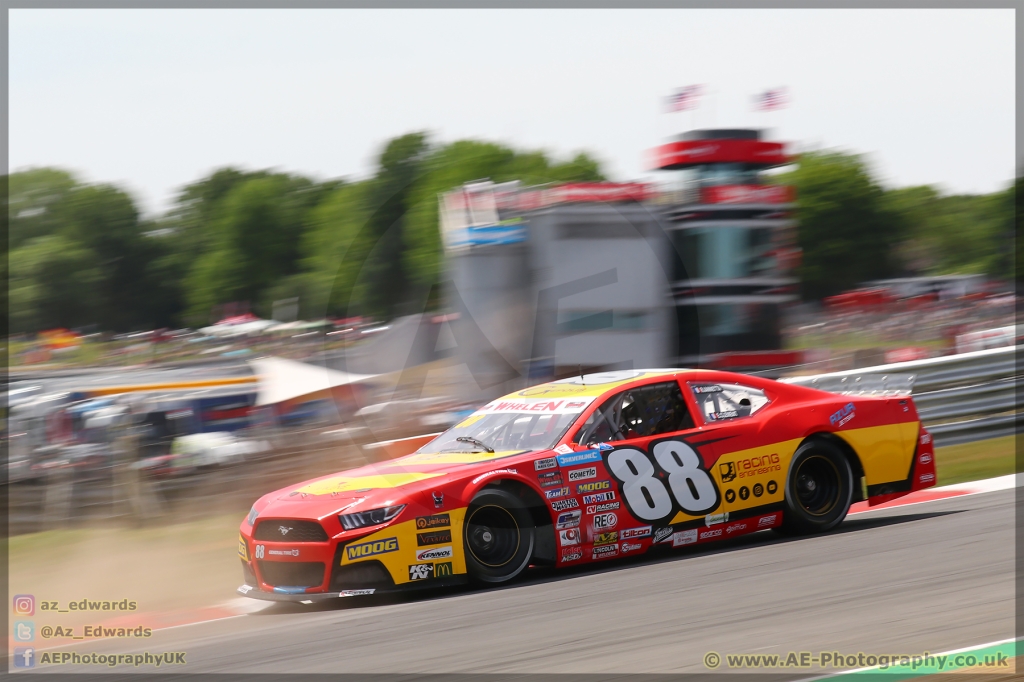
<point>281,379</point>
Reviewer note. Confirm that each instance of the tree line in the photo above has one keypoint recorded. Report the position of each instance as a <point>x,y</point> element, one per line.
<point>82,256</point>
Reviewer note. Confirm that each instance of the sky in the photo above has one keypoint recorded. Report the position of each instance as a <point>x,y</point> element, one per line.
<point>152,100</point>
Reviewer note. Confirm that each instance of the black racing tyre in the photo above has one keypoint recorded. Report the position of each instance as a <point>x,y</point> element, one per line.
<point>498,535</point>
<point>819,489</point>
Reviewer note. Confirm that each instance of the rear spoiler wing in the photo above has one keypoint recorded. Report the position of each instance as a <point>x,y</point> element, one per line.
<point>851,383</point>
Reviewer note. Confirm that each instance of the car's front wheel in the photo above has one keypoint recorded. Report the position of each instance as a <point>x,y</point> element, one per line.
<point>498,535</point>
<point>819,489</point>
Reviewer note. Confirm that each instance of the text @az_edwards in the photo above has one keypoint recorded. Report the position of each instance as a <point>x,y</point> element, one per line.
<point>836,659</point>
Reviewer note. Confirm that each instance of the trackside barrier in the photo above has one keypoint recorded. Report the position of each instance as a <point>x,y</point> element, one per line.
<point>960,398</point>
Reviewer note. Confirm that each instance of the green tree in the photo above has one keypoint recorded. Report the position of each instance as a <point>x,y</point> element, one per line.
<point>846,232</point>
<point>31,199</point>
<point>53,283</point>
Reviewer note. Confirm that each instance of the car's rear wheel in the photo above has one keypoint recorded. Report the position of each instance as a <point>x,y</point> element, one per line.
<point>498,535</point>
<point>819,489</point>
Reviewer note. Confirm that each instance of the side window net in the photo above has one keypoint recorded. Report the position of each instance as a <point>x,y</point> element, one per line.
<point>727,401</point>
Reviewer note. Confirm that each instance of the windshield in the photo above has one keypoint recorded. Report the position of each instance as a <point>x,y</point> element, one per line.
<point>524,424</point>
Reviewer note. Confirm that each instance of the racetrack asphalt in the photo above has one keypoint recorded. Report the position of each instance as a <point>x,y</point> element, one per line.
<point>930,577</point>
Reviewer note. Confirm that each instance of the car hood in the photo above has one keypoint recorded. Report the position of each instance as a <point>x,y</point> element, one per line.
<point>381,484</point>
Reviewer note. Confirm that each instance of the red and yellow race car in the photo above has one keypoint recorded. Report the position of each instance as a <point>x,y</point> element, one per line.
<point>583,470</point>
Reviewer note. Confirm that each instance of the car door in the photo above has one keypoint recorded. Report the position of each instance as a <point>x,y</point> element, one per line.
<point>654,472</point>
<point>751,478</point>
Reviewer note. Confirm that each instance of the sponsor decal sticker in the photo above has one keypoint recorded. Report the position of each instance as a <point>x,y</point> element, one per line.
<point>926,438</point>
<point>546,463</point>
<point>758,490</point>
<point>562,505</point>
<point>433,521</point>
<point>717,532</point>
<point>605,521</point>
<point>605,538</point>
<point>583,474</point>
<point>549,479</point>
<point>569,536</point>
<point>355,593</point>
<point>843,415</point>
<point>563,449</point>
<point>598,508</point>
<point>493,473</point>
<point>599,497</point>
<point>571,554</point>
<point>593,486</point>
<point>605,551</point>
<point>662,534</point>
<point>728,471</point>
<point>443,569</point>
<point>630,533</point>
<point>435,538</point>
<point>569,519</point>
<point>605,446</point>
<point>283,552</point>
<point>684,537</point>
<point>243,549</point>
<point>735,528</point>
<point>540,405</point>
<point>925,458</point>
<point>434,553</point>
<point>751,466</point>
<point>630,547</point>
<point>584,457</point>
<point>371,548</point>
<point>765,521</point>
<point>772,487</point>
<point>926,478</point>
<point>707,388</point>
<point>554,494</point>
<point>712,519</point>
<point>421,571</point>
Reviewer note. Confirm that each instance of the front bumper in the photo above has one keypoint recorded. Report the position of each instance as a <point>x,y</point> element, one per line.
<point>301,598</point>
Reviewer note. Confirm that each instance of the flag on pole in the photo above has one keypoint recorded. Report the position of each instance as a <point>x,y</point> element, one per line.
<point>770,100</point>
<point>684,98</point>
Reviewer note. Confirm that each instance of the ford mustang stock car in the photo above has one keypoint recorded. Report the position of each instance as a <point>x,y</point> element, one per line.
<point>585,470</point>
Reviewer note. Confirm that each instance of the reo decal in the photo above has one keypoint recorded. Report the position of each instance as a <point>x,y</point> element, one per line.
<point>583,474</point>
<point>435,538</point>
<point>434,553</point>
<point>558,492</point>
<point>599,497</point>
<point>569,519</point>
<point>593,487</point>
<point>546,463</point>
<point>583,457</point>
<point>562,505</point>
<point>605,521</point>
<point>371,548</point>
<point>433,521</point>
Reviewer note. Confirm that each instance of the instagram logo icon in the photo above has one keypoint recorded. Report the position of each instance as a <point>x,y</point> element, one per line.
<point>24,605</point>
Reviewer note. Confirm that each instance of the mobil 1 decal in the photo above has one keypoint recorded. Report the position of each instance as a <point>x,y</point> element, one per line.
<point>668,478</point>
